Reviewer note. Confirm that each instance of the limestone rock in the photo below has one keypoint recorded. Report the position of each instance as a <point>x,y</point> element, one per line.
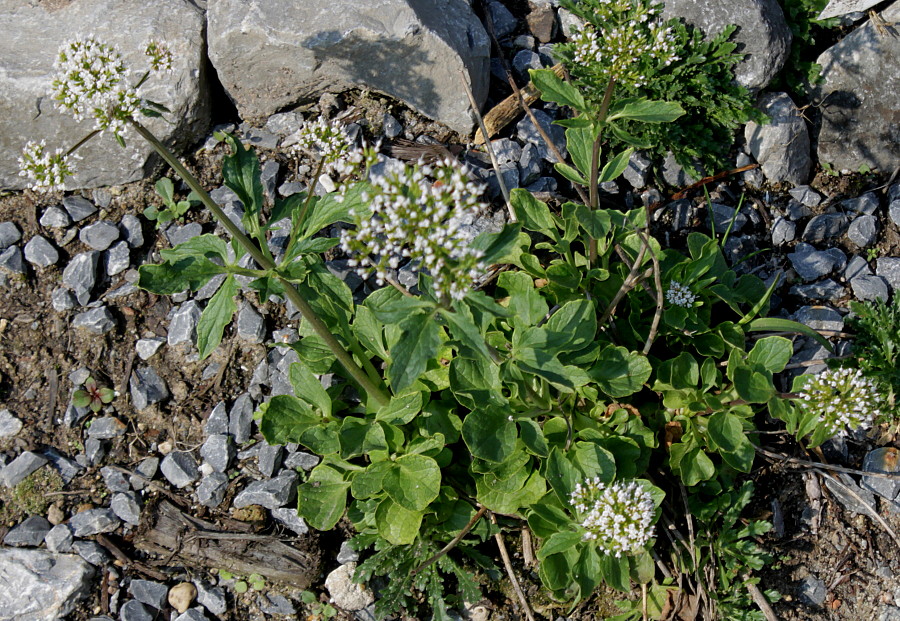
<point>781,146</point>
<point>27,111</point>
<point>270,55</point>
<point>37,585</point>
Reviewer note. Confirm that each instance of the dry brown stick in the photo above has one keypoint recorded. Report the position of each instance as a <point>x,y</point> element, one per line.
<point>760,600</point>
<point>453,543</point>
<point>816,465</point>
<point>657,283</point>
<point>627,285</point>
<point>116,551</point>
<point>498,537</point>
<point>490,149</point>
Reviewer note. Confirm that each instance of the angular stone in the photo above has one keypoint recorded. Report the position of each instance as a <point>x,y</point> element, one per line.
<point>268,459</point>
<point>217,421</point>
<point>811,264</point>
<point>820,318</point>
<point>827,290</point>
<point>115,480</point>
<point>503,21</point>
<point>94,451</point>
<point>783,231</point>
<point>40,252</point>
<point>861,85</point>
<point>287,517</point>
<point>304,461</point>
<point>209,289</point>
<point>212,488</point>
<point>885,460</point>
<point>106,428</point>
<point>118,258</point>
<point>269,493</point>
<point>866,204</point>
<point>218,451</point>
<point>251,326</point>
<point>92,552</point>
<point>145,348</point>
<point>527,133</point>
<point>280,53</point>
<point>11,261</point>
<point>180,468</point>
<point>96,320</point>
<point>211,597</point>
<point>144,472</point>
<point>80,275</point>
<point>781,146</point>
<point>870,288</point>
<point>523,61</point>
<point>825,226</point>
<point>836,8</point>
<point>93,522</point>
<point>637,173</point>
<point>18,469</point>
<point>67,468</point>
<point>9,424</point>
<point>148,592</point>
<point>762,34</point>
<point>79,208</point>
<point>863,231</point>
<point>30,532</point>
<point>889,269</point>
<point>9,234</point>
<point>240,419</point>
<point>39,585</point>
<point>127,507</point>
<point>146,387</point>
<point>344,592</point>
<point>813,591</point>
<point>192,614</point>
<point>674,173</point>
<point>530,164</point>
<point>59,539</point>
<point>857,266</point>
<point>347,554</point>
<point>62,299</point>
<point>178,234</point>
<point>133,610</point>
<point>100,235</point>
<point>805,195</point>
<point>722,216</point>
<point>55,218</point>
<point>131,231</point>
<point>183,326</point>
<point>275,604</point>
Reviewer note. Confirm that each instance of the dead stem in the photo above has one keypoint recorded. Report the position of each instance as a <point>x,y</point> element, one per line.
<point>453,543</point>
<point>760,600</point>
<point>498,537</point>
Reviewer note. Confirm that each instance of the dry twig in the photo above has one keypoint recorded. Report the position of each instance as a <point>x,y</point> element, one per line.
<point>498,537</point>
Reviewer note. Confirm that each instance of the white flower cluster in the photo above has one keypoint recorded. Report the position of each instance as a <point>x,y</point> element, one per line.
<point>843,398</point>
<point>413,217</point>
<point>632,31</point>
<point>618,517</point>
<point>680,295</point>
<point>48,171</point>
<point>93,81</point>
<point>329,141</point>
<point>160,56</point>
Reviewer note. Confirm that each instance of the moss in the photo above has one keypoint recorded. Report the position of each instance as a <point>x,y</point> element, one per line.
<point>30,497</point>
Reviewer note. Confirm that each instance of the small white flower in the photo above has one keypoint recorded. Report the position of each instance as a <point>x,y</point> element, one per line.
<point>47,171</point>
<point>618,517</point>
<point>160,56</point>
<point>680,295</point>
<point>844,399</point>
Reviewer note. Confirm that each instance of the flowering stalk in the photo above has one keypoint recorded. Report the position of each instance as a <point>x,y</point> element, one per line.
<point>843,399</point>
<point>618,517</point>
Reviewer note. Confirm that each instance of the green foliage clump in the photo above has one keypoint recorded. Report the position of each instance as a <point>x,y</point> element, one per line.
<point>801,70</point>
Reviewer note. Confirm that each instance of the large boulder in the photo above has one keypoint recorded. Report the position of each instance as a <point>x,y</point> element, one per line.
<point>36,585</point>
<point>27,111</point>
<point>859,98</point>
<point>763,34</point>
<point>271,55</point>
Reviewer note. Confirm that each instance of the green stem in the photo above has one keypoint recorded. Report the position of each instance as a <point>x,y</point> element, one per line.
<point>318,326</point>
<point>311,192</point>
<point>595,163</point>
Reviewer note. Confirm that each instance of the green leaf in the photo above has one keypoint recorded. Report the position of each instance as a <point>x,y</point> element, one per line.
<point>395,307</point>
<point>368,482</point>
<point>475,383</point>
<point>619,372</point>
<point>533,437</point>
<point>544,364</point>
<point>691,463</point>
<point>216,316</point>
<point>401,409</point>
<point>166,189</point>
<point>534,214</point>
<point>240,172</point>
<point>285,418</point>
<point>396,524</point>
<point>335,207</point>
<point>573,326</point>
<point>753,386</point>
<point>580,144</point>
<point>570,173</point>
<point>525,302</point>
<point>727,432</point>
<point>323,438</point>
<point>413,481</point>
<point>553,88</point>
<point>174,277</point>
<point>307,387</point>
<point>419,342</point>
<point>284,207</point>
<point>559,542</point>
<point>546,519</point>
<point>772,353</point>
<point>489,434</point>
<point>774,324</point>
<point>595,222</point>
<point>616,166</point>
<point>322,499</point>
<point>615,572</point>
<point>511,502</point>
<point>679,372</point>
<point>561,475</point>
<point>500,247</point>
<point>645,111</point>
<point>594,461</point>
<point>464,330</point>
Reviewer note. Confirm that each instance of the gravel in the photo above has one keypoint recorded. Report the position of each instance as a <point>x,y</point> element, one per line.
<point>9,234</point>
<point>30,532</point>
<point>211,490</point>
<point>218,451</point>
<point>18,469</point>
<point>269,493</point>
<point>93,522</point>
<point>96,321</point>
<point>147,388</point>
<point>80,275</point>
<point>100,235</point>
<point>39,251</point>
<point>78,208</point>
<point>180,468</point>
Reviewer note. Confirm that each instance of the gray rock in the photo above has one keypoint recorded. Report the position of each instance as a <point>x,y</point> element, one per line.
<point>825,226</point>
<point>40,252</point>
<point>763,34</point>
<point>269,493</point>
<point>133,610</point>
<point>820,318</point>
<point>183,326</point>
<point>823,290</point>
<point>94,451</point>
<point>836,8</point>
<point>812,264</point>
<point>812,591</point>
<point>148,592</point>
<point>528,133</point>
<point>805,195</point>
<point>240,419</point>
<point>118,258</point>
<point>209,289</point>
<point>287,517</point>
<point>100,235</point>
<point>9,424</point>
<point>870,288</point>
<point>391,127</point>
<point>503,21</point>
<point>146,387</point>
<point>865,204</point>
<point>847,500</point>
<point>144,472</point>
<point>18,469</point>
<point>127,507</point>
<point>106,428</point>
<point>131,231</point>
<point>781,146</point>
<point>55,217</point>
<point>344,592</point>
<point>889,613</point>
<point>857,266</point>
<point>96,320</point>
<point>509,173</point>
<point>304,461</point>
<point>276,604</point>
<point>863,231</point>
<point>178,234</point>
<point>78,208</point>
<point>93,522</point>
<point>569,22</point>
<point>674,174</point>
<point>217,421</point>
<point>889,269</point>
<point>192,614</point>
<point>62,299</point>
<point>11,262</point>
<point>259,138</point>
<point>212,488</point>
<point>251,326</point>
<point>861,84</point>
<point>783,231</point>
<point>525,60</point>
<point>40,585</point>
<point>894,211</point>
<point>145,348</point>
<point>796,210</point>
<point>883,460</point>
<point>211,597</point>
<point>268,459</point>
<point>347,554</point>
<point>9,234</point>
<point>80,275</point>
<point>92,552</point>
<point>218,451</point>
<point>59,539</point>
<point>273,55</point>
<point>115,480</point>
<point>722,216</point>
<point>506,150</point>
<point>637,173</point>
<point>180,468</point>
<point>30,532</point>
<point>67,468</point>
<point>530,164</point>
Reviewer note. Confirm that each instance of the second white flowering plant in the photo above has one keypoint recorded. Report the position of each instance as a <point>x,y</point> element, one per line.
<point>566,374</point>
